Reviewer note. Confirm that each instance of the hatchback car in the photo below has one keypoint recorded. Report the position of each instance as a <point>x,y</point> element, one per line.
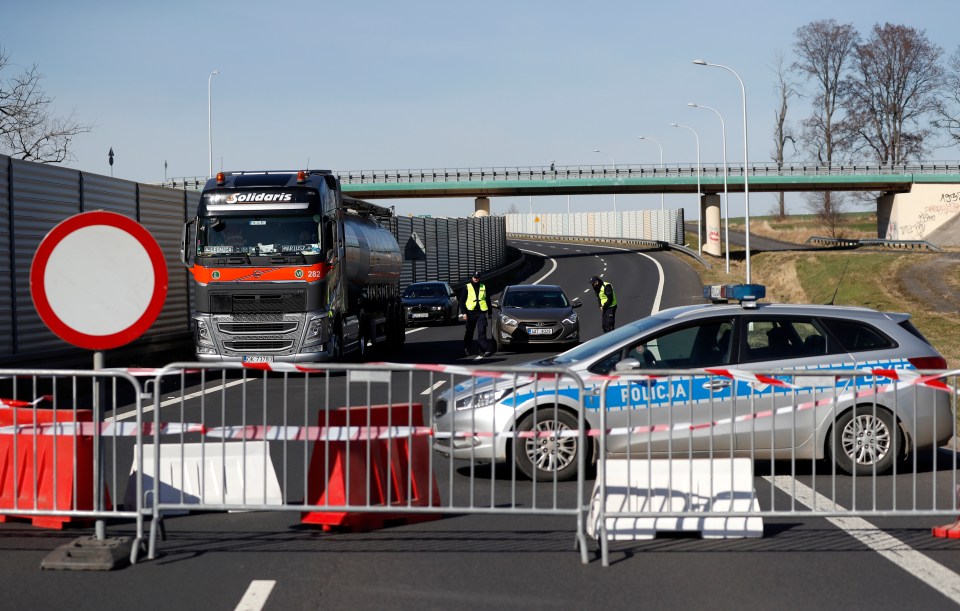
<point>425,302</point>
<point>535,314</point>
<point>858,421</point>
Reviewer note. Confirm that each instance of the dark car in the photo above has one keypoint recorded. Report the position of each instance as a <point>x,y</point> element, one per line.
<point>535,314</point>
<point>425,302</point>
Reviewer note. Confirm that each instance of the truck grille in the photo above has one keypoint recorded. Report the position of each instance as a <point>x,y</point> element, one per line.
<point>239,328</point>
<point>254,345</point>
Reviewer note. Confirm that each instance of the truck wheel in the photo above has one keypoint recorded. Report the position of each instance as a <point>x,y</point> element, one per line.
<point>544,457</point>
<point>864,439</point>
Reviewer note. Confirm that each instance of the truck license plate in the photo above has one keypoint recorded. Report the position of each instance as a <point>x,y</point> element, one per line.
<point>258,359</point>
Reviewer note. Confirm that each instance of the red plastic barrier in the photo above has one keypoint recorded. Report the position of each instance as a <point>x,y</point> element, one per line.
<point>45,463</point>
<point>393,463</point>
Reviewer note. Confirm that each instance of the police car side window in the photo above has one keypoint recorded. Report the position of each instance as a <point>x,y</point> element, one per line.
<point>771,339</point>
<point>856,336</point>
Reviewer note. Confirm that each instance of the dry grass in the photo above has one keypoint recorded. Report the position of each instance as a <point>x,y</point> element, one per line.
<point>797,233</point>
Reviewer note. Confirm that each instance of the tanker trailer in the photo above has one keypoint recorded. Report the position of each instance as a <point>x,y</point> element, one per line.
<point>286,268</point>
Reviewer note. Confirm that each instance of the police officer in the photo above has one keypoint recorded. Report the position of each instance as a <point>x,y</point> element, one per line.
<point>607,300</point>
<point>475,308</point>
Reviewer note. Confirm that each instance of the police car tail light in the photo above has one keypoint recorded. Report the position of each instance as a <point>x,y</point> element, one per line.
<point>746,294</point>
<point>301,177</point>
<point>221,179</point>
<point>929,362</point>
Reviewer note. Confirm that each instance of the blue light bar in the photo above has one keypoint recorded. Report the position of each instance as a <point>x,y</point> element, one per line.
<point>721,293</point>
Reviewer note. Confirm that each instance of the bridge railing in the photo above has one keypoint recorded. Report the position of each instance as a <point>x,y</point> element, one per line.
<point>579,172</point>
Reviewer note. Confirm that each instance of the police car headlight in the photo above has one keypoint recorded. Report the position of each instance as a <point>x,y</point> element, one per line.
<point>481,399</point>
<point>506,320</point>
<point>572,319</point>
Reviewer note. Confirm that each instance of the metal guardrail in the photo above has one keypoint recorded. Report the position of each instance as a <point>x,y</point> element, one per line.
<point>353,177</point>
<point>658,244</point>
<point>858,242</point>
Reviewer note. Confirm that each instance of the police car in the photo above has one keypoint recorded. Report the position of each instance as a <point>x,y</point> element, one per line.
<point>863,423</point>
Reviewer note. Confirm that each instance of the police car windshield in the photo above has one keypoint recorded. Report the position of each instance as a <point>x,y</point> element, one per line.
<point>257,235</point>
<point>601,345</point>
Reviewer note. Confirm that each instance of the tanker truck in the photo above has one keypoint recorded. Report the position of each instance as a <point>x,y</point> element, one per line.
<point>287,268</point>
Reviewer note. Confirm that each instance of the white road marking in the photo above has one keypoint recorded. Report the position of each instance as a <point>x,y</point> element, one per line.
<point>896,551</point>
<point>256,595</point>
<point>434,387</point>
<point>552,269</point>
<point>659,297</point>
<point>414,330</point>
<point>174,400</point>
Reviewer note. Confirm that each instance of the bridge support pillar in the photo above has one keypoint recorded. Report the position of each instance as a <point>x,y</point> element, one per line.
<point>710,231</point>
<point>928,212</point>
<point>481,206</point>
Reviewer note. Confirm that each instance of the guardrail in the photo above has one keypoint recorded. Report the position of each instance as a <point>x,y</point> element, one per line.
<point>600,171</point>
<point>658,244</point>
<point>858,242</point>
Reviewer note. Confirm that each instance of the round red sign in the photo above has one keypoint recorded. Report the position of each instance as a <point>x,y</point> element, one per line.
<point>98,280</point>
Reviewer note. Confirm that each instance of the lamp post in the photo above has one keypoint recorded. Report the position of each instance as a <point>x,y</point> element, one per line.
<point>614,163</point>
<point>746,156</point>
<point>699,195</point>
<point>210,120</point>
<point>661,161</point>
<point>726,192</point>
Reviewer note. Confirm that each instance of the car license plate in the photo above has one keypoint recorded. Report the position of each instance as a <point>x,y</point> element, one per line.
<point>539,331</point>
<point>258,359</point>
<point>419,315</point>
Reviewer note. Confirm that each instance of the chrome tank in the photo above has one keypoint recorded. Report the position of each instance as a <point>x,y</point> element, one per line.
<point>371,254</point>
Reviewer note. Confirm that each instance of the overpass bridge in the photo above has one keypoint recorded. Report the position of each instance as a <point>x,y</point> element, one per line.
<point>916,201</point>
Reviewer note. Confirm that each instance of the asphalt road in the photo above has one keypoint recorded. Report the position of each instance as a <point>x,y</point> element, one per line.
<point>467,561</point>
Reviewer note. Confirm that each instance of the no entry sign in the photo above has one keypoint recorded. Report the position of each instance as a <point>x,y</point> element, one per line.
<point>98,280</point>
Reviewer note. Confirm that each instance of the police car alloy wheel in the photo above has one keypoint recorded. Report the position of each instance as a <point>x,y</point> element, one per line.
<point>544,457</point>
<point>866,439</point>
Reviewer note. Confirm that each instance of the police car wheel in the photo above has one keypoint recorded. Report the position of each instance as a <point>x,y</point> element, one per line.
<point>866,440</point>
<point>544,457</point>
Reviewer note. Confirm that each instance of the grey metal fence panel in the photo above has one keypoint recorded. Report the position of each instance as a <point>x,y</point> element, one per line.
<point>43,195</point>
<point>443,248</point>
<point>161,213</point>
<point>7,320</point>
<point>111,194</point>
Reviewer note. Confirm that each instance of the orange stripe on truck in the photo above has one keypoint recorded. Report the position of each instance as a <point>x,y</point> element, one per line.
<point>301,273</point>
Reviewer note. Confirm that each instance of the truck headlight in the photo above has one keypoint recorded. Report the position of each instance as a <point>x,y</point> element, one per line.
<point>314,330</point>
<point>481,399</point>
<point>202,335</point>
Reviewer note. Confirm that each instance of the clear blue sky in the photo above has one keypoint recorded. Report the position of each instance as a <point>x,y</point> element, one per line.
<point>425,84</point>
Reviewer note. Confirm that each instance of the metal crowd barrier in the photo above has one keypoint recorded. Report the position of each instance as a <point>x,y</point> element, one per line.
<point>64,449</point>
<point>347,446</point>
<point>362,446</point>
<point>760,444</point>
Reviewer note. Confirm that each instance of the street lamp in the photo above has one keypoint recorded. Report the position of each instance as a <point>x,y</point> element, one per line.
<point>210,121</point>
<point>746,156</point>
<point>661,162</point>
<point>699,206</point>
<point>614,163</point>
<point>726,192</point>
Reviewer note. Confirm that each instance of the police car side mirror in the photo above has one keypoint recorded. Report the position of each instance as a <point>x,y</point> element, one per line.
<point>627,364</point>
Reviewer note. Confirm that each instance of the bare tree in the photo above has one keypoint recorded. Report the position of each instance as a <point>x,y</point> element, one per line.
<point>894,90</point>
<point>28,128</point>
<point>825,49</point>
<point>948,111</point>
<point>782,131</point>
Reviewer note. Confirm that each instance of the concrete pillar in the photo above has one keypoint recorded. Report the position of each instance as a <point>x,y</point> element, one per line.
<point>710,232</point>
<point>928,212</point>
<point>481,206</point>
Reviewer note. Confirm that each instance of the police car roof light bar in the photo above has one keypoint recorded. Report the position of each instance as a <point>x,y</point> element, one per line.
<point>746,294</point>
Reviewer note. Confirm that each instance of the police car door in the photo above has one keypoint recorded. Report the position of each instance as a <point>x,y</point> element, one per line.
<point>673,413</point>
<point>768,414</point>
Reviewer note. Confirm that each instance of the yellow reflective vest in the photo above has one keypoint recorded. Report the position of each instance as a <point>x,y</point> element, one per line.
<point>474,296</point>
<point>603,296</point>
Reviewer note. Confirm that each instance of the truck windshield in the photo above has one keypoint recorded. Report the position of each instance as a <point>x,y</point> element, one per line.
<point>257,235</point>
